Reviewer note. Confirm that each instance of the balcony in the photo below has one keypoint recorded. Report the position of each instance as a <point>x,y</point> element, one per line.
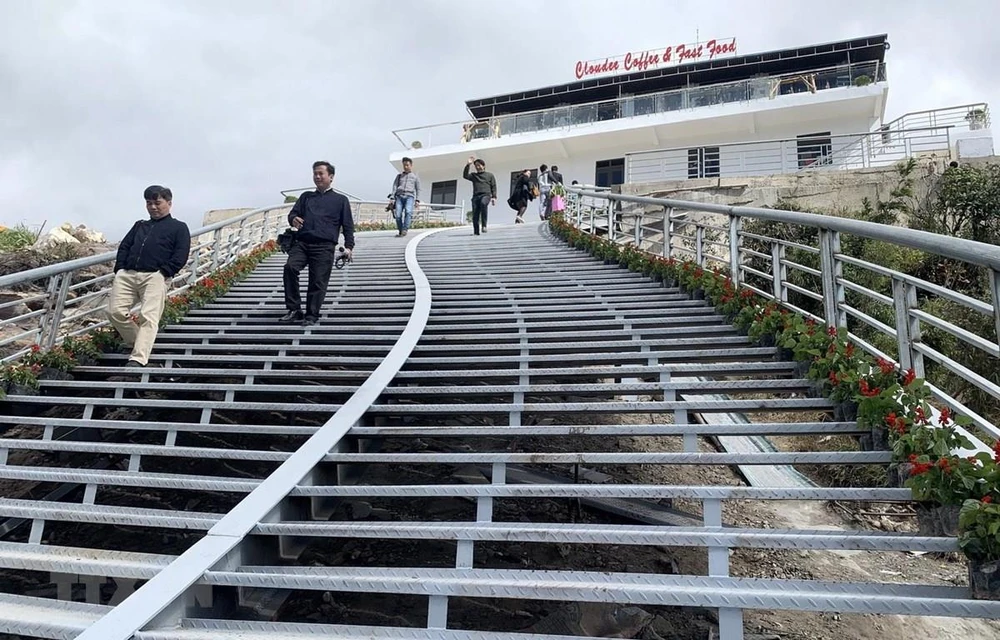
<point>571,116</point>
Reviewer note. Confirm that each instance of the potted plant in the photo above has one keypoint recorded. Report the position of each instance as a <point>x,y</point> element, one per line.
<point>82,349</point>
<point>20,379</point>
<point>862,81</point>
<point>53,364</point>
<point>981,547</point>
<point>976,119</point>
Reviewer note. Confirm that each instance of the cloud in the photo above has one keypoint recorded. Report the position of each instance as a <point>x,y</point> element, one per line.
<point>229,103</point>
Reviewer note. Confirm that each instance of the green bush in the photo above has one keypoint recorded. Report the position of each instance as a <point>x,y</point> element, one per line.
<point>19,237</point>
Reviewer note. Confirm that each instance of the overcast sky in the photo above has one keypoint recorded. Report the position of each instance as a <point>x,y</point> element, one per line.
<point>229,102</point>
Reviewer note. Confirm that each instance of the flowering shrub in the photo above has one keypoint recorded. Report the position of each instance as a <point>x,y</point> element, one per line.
<point>391,226</point>
<point>24,375</point>
<point>891,403</point>
<point>58,358</point>
<point>82,346</point>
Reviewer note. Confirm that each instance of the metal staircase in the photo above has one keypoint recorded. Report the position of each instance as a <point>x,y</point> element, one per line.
<point>375,476</point>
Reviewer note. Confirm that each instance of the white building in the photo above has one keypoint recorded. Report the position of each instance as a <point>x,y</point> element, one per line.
<point>788,109</point>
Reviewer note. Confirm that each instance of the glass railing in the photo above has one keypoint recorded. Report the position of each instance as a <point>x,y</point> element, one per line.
<point>764,87</point>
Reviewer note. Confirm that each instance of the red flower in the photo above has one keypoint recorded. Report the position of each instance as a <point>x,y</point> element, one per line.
<point>810,322</point>
<point>921,416</point>
<point>909,377</point>
<point>913,457</point>
<point>867,391</point>
<point>996,452</point>
<point>885,366</point>
<point>849,351</point>
<point>920,468</point>
<point>900,426</point>
<point>944,465</point>
<point>834,378</point>
<point>987,499</point>
<point>35,348</point>
<point>891,419</point>
<point>945,416</point>
<point>831,331</point>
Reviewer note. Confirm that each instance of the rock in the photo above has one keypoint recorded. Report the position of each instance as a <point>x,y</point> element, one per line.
<point>6,313</point>
<point>56,236</point>
<point>594,619</point>
<point>84,234</point>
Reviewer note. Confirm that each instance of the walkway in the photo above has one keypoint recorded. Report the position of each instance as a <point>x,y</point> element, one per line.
<point>550,404</point>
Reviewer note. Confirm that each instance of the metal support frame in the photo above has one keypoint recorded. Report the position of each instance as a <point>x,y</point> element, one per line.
<point>832,272</point>
<point>904,296</point>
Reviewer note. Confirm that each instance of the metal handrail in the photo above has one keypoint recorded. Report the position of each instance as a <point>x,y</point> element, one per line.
<point>494,122</point>
<point>229,239</point>
<point>602,213</point>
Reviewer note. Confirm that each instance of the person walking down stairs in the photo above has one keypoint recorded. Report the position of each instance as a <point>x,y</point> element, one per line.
<point>484,191</point>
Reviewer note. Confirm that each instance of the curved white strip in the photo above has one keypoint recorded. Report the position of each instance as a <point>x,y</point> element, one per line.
<point>163,590</point>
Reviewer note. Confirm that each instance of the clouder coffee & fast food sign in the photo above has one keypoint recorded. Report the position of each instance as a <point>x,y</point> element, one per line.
<point>656,58</point>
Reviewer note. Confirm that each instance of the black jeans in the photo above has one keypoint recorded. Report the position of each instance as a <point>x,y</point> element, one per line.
<point>480,203</point>
<point>318,256</point>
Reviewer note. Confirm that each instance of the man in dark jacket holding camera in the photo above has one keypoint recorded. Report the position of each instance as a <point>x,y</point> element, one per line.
<point>149,256</point>
<point>319,216</point>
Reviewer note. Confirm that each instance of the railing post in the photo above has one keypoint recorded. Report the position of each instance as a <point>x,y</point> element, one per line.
<point>699,238</point>
<point>52,316</point>
<point>780,272</point>
<point>668,214</point>
<point>638,228</point>
<point>995,290</point>
<point>831,272</point>
<point>216,241</point>
<point>593,214</point>
<point>734,248</point>
<point>611,220</point>
<point>904,298</point>
<point>195,258</point>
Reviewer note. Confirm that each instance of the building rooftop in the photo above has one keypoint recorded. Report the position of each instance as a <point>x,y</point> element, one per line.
<point>870,49</point>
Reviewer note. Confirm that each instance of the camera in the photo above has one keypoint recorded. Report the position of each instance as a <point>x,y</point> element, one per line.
<point>342,258</point>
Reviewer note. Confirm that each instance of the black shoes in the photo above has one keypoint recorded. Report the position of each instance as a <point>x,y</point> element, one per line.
<point>291,317</point>
<point>133,363</point>
<point>308,322</point>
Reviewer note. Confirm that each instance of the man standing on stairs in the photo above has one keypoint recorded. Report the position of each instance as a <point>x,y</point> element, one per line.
<point>318,216</point>
<point>405,193</point>
<point>484,191</point>
<point>149,256</point>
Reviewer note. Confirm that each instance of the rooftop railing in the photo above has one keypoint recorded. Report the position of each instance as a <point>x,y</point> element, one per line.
<point>561,118</point>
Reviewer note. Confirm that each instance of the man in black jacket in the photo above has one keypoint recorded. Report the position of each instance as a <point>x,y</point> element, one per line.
<point>149,257</point>
<point>484,191</point>
<point>319,216</point>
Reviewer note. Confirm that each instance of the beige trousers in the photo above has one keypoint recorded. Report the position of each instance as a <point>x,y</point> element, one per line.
<point>148,289</point>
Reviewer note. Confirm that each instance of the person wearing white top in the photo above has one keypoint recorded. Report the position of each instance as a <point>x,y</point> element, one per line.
<point>544,188</point>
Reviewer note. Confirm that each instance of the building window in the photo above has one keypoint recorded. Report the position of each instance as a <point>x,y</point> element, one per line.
<point>814,149</point>
<point>444,192</point>
<point>703,162</point>
<point>609,173</point>
<point>515,174</point>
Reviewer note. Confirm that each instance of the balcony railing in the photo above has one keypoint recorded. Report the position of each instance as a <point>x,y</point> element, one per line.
<point>762,88</point>
<point>929,132</point>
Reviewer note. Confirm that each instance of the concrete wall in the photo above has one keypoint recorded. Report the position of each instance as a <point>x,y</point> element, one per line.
<point>819,191</point>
